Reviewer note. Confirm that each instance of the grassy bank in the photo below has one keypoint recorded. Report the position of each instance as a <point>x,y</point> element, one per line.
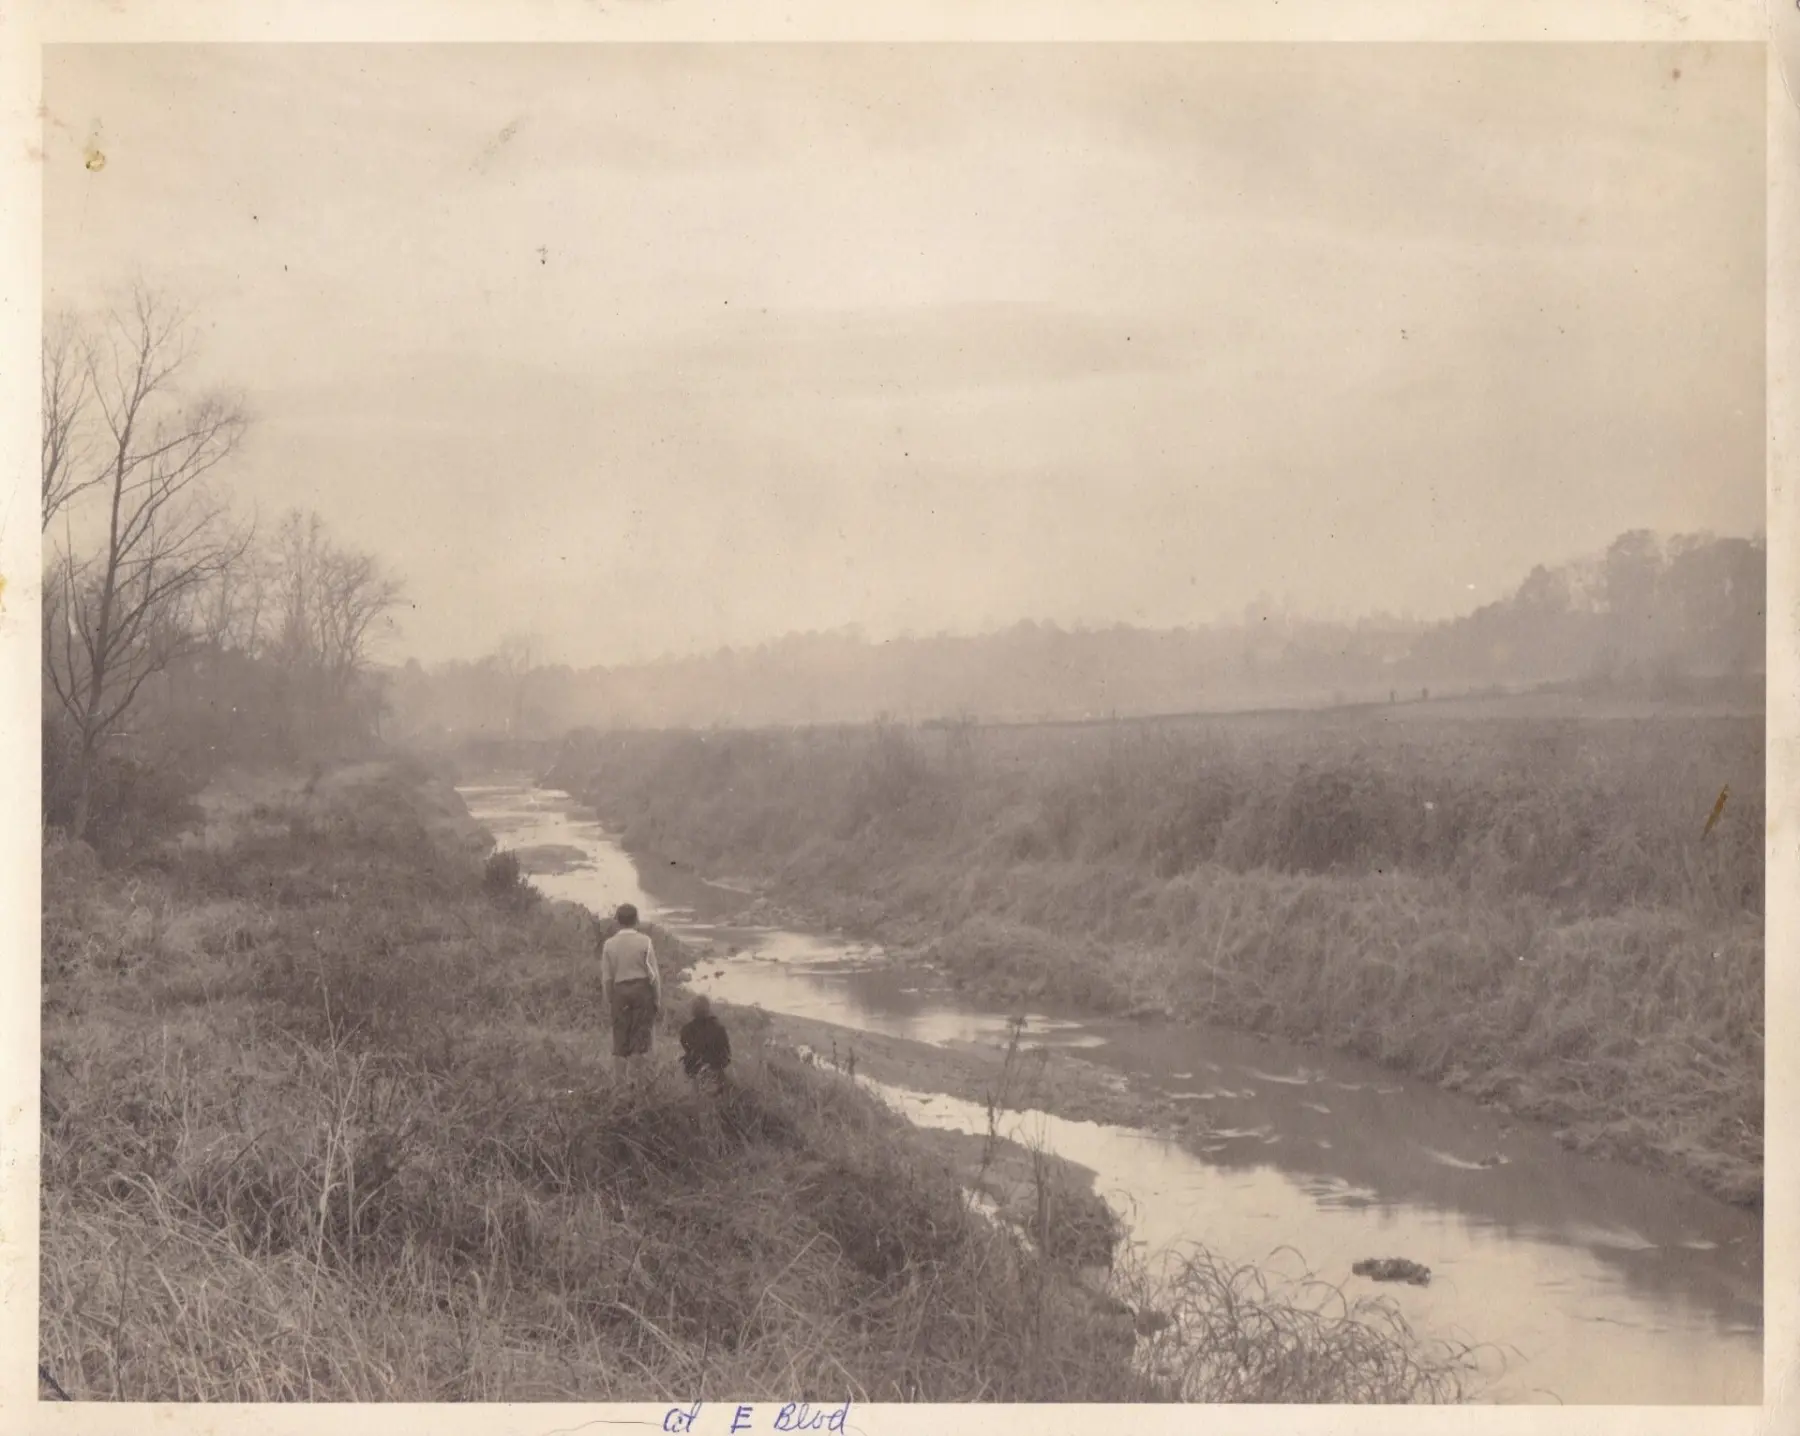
<point>327,1115</point>
<point>1532,911</point>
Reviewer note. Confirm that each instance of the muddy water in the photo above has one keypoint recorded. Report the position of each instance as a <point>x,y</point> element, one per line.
<point>1595,1282</point>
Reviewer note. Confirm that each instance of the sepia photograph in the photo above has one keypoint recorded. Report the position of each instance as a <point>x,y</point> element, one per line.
<point>818,725</point>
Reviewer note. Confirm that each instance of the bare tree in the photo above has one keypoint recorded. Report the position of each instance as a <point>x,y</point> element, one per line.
<point>65,442</point>
<point>354,598</point>
<point>293,566</point>
<point>124,611</point>
<point>329,603</point>
<point>230,609</point>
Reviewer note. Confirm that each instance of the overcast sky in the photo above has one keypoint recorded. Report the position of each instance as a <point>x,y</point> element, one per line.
<point>653,350</point>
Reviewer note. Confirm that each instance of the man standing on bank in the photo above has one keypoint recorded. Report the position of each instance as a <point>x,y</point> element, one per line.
<point>631,989</point>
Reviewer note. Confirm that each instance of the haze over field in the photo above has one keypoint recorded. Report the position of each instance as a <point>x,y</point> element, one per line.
<point>649,352</point>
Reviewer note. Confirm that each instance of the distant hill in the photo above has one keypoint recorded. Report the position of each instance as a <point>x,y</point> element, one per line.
<point>1649,613</point>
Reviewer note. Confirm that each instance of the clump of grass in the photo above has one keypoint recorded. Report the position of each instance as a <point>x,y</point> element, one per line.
<point>503,879</point>
<point>1236,1332</point>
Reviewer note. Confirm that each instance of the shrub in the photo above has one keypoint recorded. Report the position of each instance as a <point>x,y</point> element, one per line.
<point>133,806</point>
<point>503,879</point>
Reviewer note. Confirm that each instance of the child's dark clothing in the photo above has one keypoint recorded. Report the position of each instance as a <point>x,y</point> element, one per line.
<point>705,1049</point>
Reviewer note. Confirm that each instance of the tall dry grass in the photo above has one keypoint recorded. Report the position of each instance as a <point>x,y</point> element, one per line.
<point>1533,910</point>
<point>329,1117</point>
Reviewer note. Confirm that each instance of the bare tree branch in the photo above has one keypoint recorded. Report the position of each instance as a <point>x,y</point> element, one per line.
<point>328,602</point>
<point>65,443</point>
<point>130,609</point>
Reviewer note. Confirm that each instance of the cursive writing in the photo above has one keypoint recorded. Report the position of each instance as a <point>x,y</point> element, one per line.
<point>791,1416</point>
<point>798,1416</point>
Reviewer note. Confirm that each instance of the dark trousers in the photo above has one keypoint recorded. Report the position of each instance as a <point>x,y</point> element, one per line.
<point>633,1017</point>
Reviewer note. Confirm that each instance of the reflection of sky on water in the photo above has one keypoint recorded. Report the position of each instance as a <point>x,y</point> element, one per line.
<point>807,977</point>
<point>1548,1300</point>
<point>532,818</point>
<point>1609,1284</point>
<point>1418,1146</point>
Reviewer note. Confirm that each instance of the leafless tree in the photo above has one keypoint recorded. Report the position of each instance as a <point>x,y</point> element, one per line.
<point>66,443</point>
<point>354,598</point>
<point>293,565</point>
<point>329,602</point>
<point>123,609</point>
<point>230,611</point>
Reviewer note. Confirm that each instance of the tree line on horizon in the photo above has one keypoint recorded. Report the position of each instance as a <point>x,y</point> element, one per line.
<point>1656,615</point>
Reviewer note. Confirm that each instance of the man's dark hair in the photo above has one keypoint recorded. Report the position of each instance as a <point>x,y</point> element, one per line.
<point>626,915</point>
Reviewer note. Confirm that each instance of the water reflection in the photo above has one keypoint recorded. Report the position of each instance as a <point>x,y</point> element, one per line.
<point>1543,1300</point>
<point>1607,1283</point>
<point>806,976</point>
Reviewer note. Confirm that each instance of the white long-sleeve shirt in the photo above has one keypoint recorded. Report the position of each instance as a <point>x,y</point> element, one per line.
<point>628,955</point>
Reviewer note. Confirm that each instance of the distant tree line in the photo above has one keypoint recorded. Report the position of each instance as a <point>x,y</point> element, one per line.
<point>1656,615</point>
<point>176,638</point>
<point>1646,612</point>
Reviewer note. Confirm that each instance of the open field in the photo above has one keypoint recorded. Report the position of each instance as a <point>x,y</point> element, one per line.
<point>1733,697</point>
<point>327,1116</point>
<point>1534,910</point>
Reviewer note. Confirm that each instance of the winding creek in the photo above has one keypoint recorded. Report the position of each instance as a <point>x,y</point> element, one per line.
<point>1599,1283</point>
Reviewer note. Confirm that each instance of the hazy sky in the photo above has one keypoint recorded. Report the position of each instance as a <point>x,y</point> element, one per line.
<point>653,349</point>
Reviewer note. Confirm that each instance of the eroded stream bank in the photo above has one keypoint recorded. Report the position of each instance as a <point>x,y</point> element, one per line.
<point>1599,1282</point>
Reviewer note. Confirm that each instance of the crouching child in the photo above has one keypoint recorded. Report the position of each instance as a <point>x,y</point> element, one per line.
<point>705,1048</point>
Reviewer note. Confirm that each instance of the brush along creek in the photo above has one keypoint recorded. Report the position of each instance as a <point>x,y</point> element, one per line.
<point>1586,1281</point>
